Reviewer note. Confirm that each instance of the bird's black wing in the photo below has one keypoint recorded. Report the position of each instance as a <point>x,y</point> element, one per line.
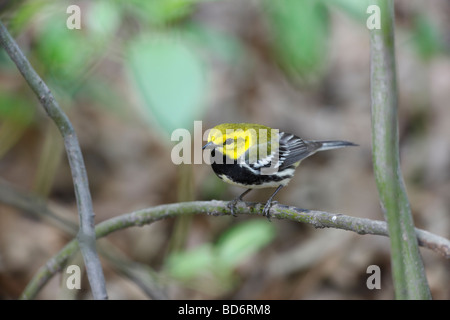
<point>293,149</point>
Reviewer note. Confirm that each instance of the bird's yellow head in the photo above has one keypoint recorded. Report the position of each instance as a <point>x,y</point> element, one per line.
<point>235,139</point>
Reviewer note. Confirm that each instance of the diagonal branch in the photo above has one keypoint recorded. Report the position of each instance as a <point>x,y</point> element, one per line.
<point>86,233</point>
<point>318,219</point>
<point>142,275</point>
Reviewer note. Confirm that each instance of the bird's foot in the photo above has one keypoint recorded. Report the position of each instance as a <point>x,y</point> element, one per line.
<point>232,205</point>
<point>266,210</point>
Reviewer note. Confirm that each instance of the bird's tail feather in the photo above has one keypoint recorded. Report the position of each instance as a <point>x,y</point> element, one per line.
<point>334,144</point>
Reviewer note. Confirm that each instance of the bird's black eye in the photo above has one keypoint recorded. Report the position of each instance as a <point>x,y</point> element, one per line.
<point>229,141</point>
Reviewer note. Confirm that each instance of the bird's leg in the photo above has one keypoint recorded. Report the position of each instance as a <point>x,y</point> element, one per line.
<point>269,203</point>
<point>232,203</point>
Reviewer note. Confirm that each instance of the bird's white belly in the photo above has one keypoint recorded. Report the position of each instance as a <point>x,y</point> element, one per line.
<point>273,184</point>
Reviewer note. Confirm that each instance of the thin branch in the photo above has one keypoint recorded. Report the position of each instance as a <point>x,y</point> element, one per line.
<point>86,233</point>
<point>318,219</point>
<point>409,277</point>
<point>142,275</point>
<point>36,206</point>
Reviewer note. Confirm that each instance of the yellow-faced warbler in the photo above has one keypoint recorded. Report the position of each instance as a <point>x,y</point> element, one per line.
<point>254,156</point>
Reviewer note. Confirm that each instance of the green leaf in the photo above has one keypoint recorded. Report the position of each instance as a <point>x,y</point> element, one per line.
<point>161,12</point>
<point>65,53</point>
<point>220,44</point>
<point>354,8</point>
<point>24,13</point>
<point>217,262</point>
<point>15,109</point>
<point>427,38</point>
<point>169,77</point>
<point>189,264</point>
<point>243,240</point>
<point>300,34</point>
<point>16,114</point>
<point>103,19</point>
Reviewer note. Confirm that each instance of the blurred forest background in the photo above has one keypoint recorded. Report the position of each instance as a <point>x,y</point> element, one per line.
<point>138,69</point>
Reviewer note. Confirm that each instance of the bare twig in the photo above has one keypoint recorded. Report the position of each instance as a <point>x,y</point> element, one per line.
<point>142,275</point>
<point>86,233</point>
<point>408,271</point>
<point>35,205</point>
<point>318,219</point>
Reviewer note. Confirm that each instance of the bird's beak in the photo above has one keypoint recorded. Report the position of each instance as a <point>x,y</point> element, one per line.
<point>209,145</point>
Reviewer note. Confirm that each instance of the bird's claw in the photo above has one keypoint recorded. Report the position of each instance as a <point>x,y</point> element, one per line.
<point>266,210</point>
<point>232,206</point>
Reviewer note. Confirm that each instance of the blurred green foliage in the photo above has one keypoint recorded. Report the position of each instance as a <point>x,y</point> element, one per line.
<point>170,78</point>
<point>162,12</point>
<point>62,52</point>
<point>242,241</point>
<point>15,116</point>
<point>15,109</point>
<point>427,38</point>
<point>217,262</point>
<point>103,20</point>
<point>300,32</point>
<point>164,47</point>
<point>357,9</point>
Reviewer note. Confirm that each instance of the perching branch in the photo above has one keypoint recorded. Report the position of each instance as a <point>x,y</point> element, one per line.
<point>86,233</point>
<point>318,219</point>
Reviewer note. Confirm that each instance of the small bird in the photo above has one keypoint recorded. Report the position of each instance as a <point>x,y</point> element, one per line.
<point>255,156</point>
